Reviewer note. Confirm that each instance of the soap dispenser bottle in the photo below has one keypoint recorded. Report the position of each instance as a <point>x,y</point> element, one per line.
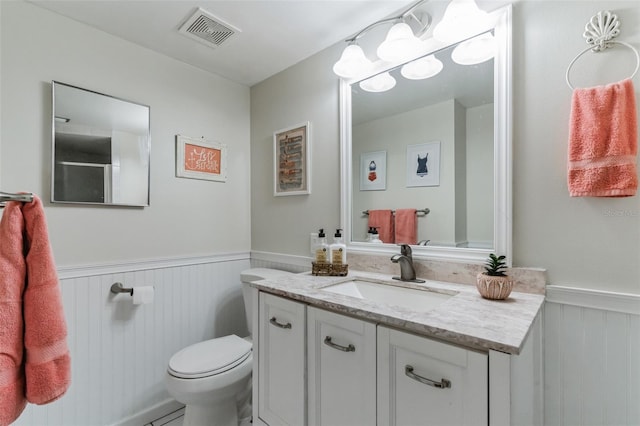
<point>338,250</point>
<point>375,237</point>
<point>322,248</point>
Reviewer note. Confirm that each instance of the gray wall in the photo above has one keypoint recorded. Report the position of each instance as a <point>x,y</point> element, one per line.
<point>186,217</point>
<point>583,242</point>
<point>305,92</point>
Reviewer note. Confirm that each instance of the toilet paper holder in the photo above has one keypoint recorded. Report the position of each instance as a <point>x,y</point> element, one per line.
<point>117,288</point>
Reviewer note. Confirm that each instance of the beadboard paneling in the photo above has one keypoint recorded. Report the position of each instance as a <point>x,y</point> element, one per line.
<point>120,351</point>
<point>592,367</point>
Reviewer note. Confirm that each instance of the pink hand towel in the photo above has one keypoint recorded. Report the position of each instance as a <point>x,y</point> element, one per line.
<point>406,226</point>
<point>603,141</point>
<point>383,220</point>
<point>13,272</point>
<point>31,315</point>
<point>48,363</point>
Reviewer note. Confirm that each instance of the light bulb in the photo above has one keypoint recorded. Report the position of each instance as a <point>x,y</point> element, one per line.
<point>352,62</point>
<point>422,68</point>
<point>379,83</point>
<point>399,44</point>
<point>476,50</point>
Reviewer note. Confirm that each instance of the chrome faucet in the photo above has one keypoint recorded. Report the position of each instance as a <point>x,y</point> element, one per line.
<point>405,259</point>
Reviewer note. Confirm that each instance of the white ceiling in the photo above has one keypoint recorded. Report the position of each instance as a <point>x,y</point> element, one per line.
<point>274,34</point>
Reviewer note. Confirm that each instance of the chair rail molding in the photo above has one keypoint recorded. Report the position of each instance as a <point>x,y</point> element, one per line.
<point>597,299</point>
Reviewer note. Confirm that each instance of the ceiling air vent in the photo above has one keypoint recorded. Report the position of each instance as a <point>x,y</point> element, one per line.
<point>202,26</point>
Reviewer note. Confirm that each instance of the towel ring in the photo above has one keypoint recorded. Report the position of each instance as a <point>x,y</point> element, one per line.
<point>599,33</point>
<point>591,48</point>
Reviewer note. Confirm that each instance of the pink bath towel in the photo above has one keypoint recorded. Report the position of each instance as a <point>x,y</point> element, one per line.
<point>13,271</point>
<point>405,226</point>
<point>383,220</point>
<point>29,286</point>
<point>603,141</point>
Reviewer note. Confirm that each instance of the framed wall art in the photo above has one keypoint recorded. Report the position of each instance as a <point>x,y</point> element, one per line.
<point>423,164</point>
<point>291,160</point>
<point>373,171</point>
<point>200,159</point>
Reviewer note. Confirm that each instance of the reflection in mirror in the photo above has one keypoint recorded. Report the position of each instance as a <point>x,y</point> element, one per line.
<point>461,118</point>
<point>452,110</point>
<point>100,152</point>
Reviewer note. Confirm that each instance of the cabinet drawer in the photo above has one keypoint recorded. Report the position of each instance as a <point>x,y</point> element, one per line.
<point>422,381</point>
<point>342,369</point>
<point>281,381</point>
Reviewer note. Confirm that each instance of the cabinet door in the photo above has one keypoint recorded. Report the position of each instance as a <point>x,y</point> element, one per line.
<point>281,358</point>
<point>425,382</point>
<point>342,369</point>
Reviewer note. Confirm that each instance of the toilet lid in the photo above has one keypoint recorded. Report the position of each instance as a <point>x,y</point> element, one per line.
<point>209,357</point>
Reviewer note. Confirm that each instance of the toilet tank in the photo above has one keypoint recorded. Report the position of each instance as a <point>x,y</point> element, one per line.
<point>256,274</point>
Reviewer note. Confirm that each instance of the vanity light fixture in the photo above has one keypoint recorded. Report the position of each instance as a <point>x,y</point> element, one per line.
<point>462,19</point>
<point>378,83</point>
<point>475,50</point>
<point>352,62</point>
<point>422,68</point>
<point>401,42</point>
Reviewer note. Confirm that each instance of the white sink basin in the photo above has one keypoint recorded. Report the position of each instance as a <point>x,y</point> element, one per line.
<point>388,294</point>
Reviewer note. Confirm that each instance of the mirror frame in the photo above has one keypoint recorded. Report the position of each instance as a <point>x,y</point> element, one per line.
<point>502,156</point>
<point>145,203</point>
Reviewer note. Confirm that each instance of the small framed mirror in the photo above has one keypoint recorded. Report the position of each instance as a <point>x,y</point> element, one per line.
<point>100,148</point>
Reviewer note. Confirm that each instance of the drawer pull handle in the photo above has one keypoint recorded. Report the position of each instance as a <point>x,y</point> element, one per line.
<point>443,383</point>
<point>328,342</point>
<point>275,322</point>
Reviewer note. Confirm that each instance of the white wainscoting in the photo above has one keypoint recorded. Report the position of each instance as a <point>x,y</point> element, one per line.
<point>592,358</point>
<point>119,351</point>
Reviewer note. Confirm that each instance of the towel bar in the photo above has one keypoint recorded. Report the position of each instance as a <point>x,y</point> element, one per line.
<point>8,196</point>
<point>118,288</point>
<point>423,211</point>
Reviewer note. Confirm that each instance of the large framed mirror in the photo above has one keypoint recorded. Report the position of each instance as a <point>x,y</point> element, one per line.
<point>464,112</point>
<point>100,148</point>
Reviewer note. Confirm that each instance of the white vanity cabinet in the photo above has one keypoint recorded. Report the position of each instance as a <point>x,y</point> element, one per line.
<point>282,361</point>
<point>425,382</point>
<point>318,367</point>
<point>341,369</point>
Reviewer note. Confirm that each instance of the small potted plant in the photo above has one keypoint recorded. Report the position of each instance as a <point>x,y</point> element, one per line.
<point>494,283</point>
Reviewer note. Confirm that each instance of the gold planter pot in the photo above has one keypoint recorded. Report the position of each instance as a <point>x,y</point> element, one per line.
<point>494,287</point>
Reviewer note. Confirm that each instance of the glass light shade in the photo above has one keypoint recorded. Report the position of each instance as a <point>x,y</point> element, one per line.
<point>352,62</point>
<point>462,19</point>
<point>422,68</point>
<point>379,83</point>
<point>399,44</point>
<point>475,50</point>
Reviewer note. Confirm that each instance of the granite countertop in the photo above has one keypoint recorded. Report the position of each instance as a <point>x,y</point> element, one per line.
<point>465,318</point>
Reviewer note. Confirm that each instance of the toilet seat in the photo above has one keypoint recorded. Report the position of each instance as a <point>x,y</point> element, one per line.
<point>209,358</point>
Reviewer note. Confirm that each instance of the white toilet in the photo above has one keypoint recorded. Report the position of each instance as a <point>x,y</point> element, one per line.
<point>213,377</point>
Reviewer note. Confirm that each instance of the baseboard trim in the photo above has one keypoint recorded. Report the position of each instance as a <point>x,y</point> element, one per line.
<point>150,414</point>
<point>67,272</point>
<point>596,299</point>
